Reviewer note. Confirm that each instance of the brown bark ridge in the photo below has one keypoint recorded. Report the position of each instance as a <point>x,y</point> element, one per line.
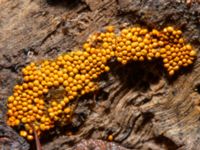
<point>137,104</point>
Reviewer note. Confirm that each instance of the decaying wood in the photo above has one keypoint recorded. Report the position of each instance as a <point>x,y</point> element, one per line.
<point>138,104</point>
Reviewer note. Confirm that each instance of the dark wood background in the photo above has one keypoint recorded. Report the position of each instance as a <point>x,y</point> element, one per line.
<point>138,104</point>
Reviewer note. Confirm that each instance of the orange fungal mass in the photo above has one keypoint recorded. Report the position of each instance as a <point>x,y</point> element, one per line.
<point>43,98</point>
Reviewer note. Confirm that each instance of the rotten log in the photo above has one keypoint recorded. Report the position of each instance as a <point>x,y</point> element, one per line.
<point>141,108</point>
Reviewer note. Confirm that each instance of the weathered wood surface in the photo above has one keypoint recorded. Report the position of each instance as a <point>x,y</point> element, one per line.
<point>138,104</point>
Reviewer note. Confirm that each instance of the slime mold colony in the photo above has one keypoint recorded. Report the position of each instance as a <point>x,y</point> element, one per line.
<point>75,73</point>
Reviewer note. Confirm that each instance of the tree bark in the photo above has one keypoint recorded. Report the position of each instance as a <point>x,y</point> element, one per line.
<point>138,104</point>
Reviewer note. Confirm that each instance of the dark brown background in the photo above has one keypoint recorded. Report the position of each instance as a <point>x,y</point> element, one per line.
<point>138,104</point>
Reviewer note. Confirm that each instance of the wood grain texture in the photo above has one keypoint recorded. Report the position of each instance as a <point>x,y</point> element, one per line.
<point>138,104</point>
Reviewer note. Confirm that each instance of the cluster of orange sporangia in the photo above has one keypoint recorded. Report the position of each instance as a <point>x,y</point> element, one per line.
<point>75,73</point>
<point>139,44</point>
